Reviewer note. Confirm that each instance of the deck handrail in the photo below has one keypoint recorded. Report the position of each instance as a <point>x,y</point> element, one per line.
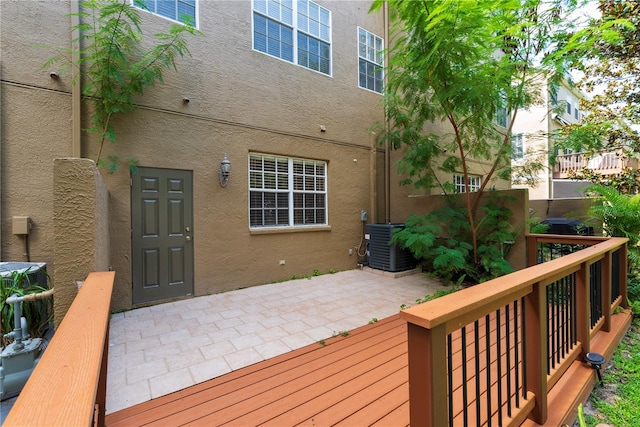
<point>598,162</point>
<point>68,385</point>
<point>431,324</point>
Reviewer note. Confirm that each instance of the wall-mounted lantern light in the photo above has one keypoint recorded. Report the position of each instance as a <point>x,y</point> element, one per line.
<point>225,170</point>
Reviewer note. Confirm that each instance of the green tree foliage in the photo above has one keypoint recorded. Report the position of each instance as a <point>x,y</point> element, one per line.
<point>114,67</point>
<point>608,53</point>
<point>38,313</point>
<point>619,215</point>
<point>458,65</point>
<point>441,239</point>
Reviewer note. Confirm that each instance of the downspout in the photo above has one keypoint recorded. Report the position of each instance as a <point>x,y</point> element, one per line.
<point>76,127</point>
<point>373,182</point>
<point>387,154</point>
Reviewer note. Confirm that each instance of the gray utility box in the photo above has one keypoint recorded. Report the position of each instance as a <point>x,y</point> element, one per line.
<point>381,254</point>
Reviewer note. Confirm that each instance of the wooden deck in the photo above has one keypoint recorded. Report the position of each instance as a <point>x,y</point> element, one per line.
<point>358,380</point>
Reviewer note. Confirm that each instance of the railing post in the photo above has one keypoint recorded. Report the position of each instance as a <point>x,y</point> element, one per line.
<point>101,392</point>
<point>427,376</point>
<point>536,335</point>
<point>583,308</point>
<point>605,282</point>
<point>624,270</point>
<point>532,251</point>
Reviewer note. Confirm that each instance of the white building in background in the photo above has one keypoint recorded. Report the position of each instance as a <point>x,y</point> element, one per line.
<point>532,139</point>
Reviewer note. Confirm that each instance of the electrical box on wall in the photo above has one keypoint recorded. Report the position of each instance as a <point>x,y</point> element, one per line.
<point>21,225</point>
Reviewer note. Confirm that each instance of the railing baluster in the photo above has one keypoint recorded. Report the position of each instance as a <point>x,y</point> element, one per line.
<point>499,362</point>
<point>574,312</point>
<point>465,412</point>
<point>476,344</point>
<point>524,348</point>
<point>549,338</point>
<point>557,307</point>
<point>565,317</point>
<point>487,320</point>
<point>507,335</point>
<point>518,333</point>
<point>450,377</point>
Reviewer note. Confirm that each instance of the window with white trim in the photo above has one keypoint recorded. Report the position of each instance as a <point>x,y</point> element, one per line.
<point>370,61</point>
<point>295,31</point>
<point>569,102</point>
<point>178,10</point>
<point>285,192</point>
<point>517,146</point>
<point>474,183</point>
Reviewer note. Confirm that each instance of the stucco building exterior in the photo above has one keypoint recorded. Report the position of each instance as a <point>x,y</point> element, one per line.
<point>286,91</point>
<point>248,99</point>
<point>533,139</point>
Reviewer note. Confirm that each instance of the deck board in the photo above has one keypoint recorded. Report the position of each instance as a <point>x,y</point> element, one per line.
<point>361,379</point>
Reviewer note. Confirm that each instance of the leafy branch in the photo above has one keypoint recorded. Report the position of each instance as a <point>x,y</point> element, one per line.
<point>112,65</point>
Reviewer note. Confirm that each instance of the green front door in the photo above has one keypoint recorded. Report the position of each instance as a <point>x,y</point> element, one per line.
<point>161,234</point>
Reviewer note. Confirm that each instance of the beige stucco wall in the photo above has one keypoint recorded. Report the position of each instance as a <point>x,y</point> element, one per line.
<point>35,115</point>
<point>240,101</point>
<point>31,138</point>
<point>80,228</point>
<point>538,123</point>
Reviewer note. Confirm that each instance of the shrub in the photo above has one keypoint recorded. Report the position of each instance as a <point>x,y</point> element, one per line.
<point>441,241</point>
<point>38,313</point>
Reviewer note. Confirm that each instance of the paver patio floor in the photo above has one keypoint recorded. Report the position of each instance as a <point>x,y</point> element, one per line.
<point>157,350</point>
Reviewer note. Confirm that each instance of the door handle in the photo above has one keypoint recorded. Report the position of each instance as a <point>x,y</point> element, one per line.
<point>187,238</point>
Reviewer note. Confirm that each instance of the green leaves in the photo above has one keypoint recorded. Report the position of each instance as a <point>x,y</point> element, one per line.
<point>114,68</point>
<point>619,215</point>
<point>608,53</point>
<point>441,240</point>
<point>38,313</point>
<point>454,67</point>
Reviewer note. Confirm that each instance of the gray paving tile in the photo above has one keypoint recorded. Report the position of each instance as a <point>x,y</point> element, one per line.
<point>242,358</point>
<point>272,349</point>
<point>209,369</point>
<point>246,341</point>
<point>217,350</point>
<point>170,382</point>
<point>146,370</point>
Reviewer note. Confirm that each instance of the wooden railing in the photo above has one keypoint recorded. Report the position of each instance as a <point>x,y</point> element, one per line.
<point>68,385</point>
<point>603,163</point>
<point>489,354</point>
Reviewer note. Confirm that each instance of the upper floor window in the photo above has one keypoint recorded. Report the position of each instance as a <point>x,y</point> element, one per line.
<point>569,101</point>
<point>517,146</point>
<point>474,183</point>
<point>178,10</point>
<point>576,112</point>
<point>295,31</point>
<point>286,192</point>
<point>370,61</point>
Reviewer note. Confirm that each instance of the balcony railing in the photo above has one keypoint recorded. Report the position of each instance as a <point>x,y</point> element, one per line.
<point>605,163</point>
<point>490,354</point>
<point>68,385</point>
